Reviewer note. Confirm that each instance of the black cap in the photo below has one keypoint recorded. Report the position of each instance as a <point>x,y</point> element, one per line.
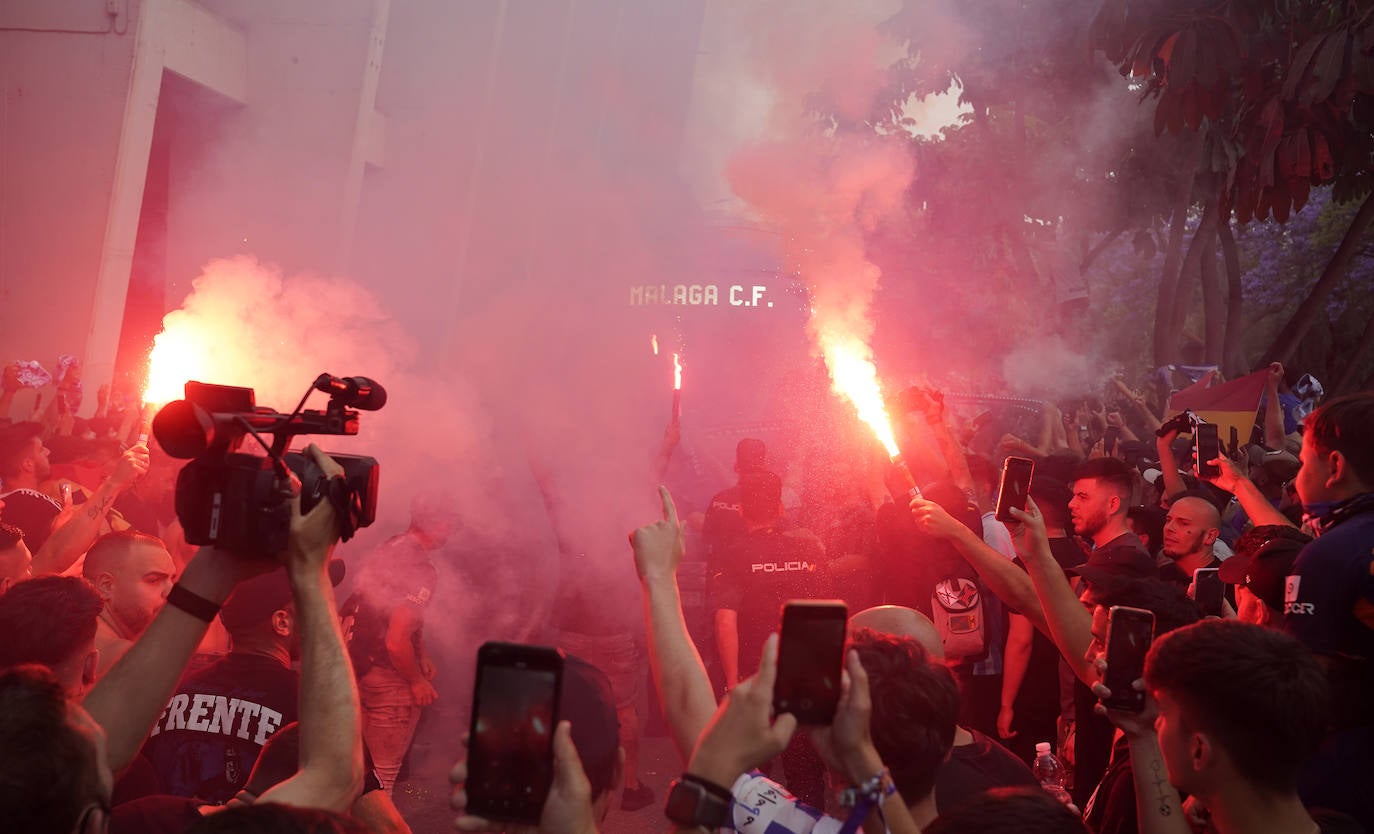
<point>749,455</point>
<point>1264,558</point>
<point>253,601</point>
<point>1117,561</point>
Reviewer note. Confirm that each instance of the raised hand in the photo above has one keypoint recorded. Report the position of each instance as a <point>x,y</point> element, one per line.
<point>658,547</point>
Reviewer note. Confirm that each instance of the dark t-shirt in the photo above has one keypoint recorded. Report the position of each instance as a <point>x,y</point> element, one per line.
<point>1039,700</point>
<point>976,768</point>
<point>33,512</point>
<point>757,575</point>
<point>1111,809</point>
<point>1329,606</point>
<point>723,524</point>
<point>397,573</point>
<point>205,742</point>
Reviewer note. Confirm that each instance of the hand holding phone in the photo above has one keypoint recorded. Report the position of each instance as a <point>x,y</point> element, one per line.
<point>810,660</point>
<point>1206,448</point>
<point>510,749</point>
<point>1014,487</point>
<point>1129,634</point>
<point>1208,591</point>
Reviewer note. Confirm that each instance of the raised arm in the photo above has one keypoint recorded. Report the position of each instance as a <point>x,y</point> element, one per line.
<point>1256,506</point>
<point>331,760</point>
<point>1273,412</point>
<point>933,407</point>
<point>76,528</point>
<point>1003,578</point>
<point>134,692</point>
<point>1168,464</point>
<point>1069,624</point>
<point>684,688</point>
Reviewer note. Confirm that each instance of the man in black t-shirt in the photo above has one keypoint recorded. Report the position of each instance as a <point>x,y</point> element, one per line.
<point>751,580</point>
<point>724,523</point>
<point>206,740</point>
<point>748,585</point>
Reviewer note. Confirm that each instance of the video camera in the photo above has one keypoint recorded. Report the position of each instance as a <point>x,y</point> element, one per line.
<point>241,502</point>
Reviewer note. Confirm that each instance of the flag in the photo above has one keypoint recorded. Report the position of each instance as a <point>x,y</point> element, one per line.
<point>1230,405</point>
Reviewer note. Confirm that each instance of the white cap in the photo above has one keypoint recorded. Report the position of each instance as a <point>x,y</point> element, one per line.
<point>1042,747</point>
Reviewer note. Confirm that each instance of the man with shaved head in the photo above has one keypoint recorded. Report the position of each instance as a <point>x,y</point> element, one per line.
<point>133,573</point>
<point>1190,530</point>
<point>976,763</point>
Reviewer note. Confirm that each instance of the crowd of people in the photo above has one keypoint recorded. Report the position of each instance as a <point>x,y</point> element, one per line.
<point>148,685</point>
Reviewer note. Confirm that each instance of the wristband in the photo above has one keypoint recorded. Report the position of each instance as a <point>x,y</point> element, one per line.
<point>864,798</point>
<point>192,603</point>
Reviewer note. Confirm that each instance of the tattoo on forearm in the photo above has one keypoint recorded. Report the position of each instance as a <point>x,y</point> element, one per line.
<point>98,509</point>
<point>1161,785</point>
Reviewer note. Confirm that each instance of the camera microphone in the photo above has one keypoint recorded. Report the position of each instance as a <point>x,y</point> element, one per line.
<point>353,391</point>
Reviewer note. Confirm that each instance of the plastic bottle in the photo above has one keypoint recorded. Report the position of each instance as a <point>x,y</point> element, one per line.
<point>1050,773</point>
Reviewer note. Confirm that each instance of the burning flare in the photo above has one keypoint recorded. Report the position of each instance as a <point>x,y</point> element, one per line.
<point>677,373</point>
<point>653,342</point>
<point>178,356</point>
<point>854,376</point>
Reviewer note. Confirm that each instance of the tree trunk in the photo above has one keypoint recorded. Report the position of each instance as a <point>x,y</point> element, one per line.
<point>1233,362</point>
<point>1213,303</point>
<point>1307,313</point>
<point>1356,360</point>
<point>1204,240</point>
<point>1164,345</point>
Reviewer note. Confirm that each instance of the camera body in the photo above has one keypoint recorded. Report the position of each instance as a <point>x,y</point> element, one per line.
<point>242,502</point>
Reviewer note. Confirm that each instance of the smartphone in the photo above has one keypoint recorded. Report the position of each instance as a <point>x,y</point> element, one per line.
<point>1207,591</point>
<point>1129,633</point>
<point>1110,438</point>
<point>810,659</point>
<point>1206,448</point>
<point>1015,486</point>
<point>510,747</point>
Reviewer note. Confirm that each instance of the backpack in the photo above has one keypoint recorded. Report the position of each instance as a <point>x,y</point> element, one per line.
<point>957,609</point>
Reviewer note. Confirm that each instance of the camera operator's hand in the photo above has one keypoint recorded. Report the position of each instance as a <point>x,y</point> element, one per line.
<point>568,809</point>
<point>847,744</point>
<point>743,734</point>
<point>132,465</point>
<point>313,534</point>
<point>658,547</point>
<point>318,531</point>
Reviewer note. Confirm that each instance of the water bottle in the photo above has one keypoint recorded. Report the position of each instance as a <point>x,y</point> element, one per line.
<point>1049,772</point>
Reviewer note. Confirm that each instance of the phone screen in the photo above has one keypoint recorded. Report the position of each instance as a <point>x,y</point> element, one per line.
<point>1208,449</point>
<point>510,750</point>
<point>1129,633</point>
<point>1208,591</point>
<point>1015,486</point>
<point>810,659</point>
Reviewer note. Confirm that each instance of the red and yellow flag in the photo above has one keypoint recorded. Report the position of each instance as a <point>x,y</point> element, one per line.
<point>1230,404</point>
